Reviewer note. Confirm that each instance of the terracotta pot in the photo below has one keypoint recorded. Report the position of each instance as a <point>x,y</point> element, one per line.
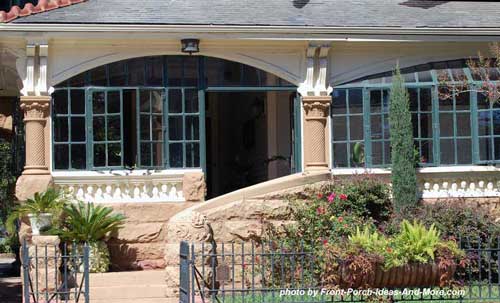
<point>407,276</point>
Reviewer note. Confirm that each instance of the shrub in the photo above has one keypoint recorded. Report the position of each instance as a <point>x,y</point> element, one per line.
<point>452,219</point>
<point>331,212</point>
<point>404,177</point>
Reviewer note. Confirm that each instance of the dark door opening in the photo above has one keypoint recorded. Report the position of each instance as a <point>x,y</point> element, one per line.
<point>249,138</point>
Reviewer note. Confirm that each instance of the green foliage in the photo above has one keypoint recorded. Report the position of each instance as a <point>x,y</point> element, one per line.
<point>414,243</point>
<point>332,212</point>
<point>452,219</point>
<point>86,222</point>
<point>404,178</point>
<point>7,187</point>
<point>51,201</point>
<point>358,154</point>
<point>370,241</point>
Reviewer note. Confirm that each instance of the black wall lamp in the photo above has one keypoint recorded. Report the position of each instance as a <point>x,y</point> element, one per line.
<point>190,46</point>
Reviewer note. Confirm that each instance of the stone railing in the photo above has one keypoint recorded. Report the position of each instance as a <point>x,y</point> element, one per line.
<point>460,182</point>
<point>447,182</point>
<point>122,186</point>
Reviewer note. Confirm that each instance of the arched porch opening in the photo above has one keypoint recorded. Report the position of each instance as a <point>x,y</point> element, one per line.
<point>236,123</point>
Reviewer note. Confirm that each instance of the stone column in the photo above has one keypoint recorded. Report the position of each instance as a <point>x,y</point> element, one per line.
<point>316,145</point>
<point>36,175</point>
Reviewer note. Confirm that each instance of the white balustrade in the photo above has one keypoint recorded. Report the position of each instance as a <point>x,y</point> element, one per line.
<point>121,188</point>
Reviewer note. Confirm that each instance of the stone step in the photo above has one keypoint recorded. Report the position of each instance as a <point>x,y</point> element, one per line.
<point>128,292</point>
<point>133,286</point>
<point>134,278</point>
<point>144,300</point>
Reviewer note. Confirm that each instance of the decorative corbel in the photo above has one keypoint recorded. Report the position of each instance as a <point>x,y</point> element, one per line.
<point>306,88</point>
<point>42,88</point>
<point>33,70</point>
<point>322,88</point>
<point>27,71</point>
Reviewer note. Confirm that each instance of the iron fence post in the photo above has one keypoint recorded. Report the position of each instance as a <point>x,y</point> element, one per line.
<point>26,272</point>
<point>86,272</point>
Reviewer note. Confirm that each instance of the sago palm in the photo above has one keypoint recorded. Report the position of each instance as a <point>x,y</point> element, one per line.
<point>86,222</point>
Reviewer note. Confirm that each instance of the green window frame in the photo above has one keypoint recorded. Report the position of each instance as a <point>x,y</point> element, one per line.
<point>106,134</point>
<point>173,137</point>
<point>442,129</point>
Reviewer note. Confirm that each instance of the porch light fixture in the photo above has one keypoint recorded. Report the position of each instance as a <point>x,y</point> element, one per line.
<point>190,46</point>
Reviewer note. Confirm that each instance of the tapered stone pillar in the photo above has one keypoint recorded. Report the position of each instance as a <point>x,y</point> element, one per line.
<point>316,146</point>
<point>36,175</point>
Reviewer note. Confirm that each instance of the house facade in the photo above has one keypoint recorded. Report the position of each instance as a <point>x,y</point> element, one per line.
<point>169,103</point>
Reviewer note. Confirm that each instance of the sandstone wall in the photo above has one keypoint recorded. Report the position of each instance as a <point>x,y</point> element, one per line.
<point>141,243</point>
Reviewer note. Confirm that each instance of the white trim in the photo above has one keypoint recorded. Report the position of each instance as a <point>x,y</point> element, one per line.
<point>179,28</point>
<point>121,173</point>
<point>423,170</point>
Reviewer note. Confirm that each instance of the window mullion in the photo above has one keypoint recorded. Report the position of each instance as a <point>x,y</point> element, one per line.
<point>474,127</point>
<point>435,126</point>
<point>90,131</point>
<point>166,146</point>
<point>138,127</point>
<point>367,130</point>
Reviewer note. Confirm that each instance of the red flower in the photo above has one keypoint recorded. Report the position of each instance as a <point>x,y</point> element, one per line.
<point>244,265</point>
<point>343,197</point>
<point>320,211</point>
<point>325,241</point>
<point>331,197</point>
<point>341,219</point>
<point>320,196</point>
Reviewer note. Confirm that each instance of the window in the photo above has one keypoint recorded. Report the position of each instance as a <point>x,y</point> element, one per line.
<point>347,125</point>
<point>488,122</point>
<point>461,130</point>
<point>142,112</point>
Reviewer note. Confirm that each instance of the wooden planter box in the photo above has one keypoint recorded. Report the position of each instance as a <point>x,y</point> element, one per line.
<point>408,276</point>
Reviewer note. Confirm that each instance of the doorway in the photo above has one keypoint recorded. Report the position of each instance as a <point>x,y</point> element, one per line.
<point>249,138</point>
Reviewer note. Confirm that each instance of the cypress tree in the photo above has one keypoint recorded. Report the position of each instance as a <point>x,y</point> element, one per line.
<point>404,176</point>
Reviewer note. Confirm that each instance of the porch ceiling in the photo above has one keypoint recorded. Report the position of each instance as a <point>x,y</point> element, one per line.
<point>310,13</point>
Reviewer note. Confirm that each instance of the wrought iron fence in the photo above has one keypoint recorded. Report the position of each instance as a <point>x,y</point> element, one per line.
<point>267,272</point>
<point>55,273</point>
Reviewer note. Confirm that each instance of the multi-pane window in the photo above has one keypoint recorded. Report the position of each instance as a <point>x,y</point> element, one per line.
<point>107,129</point>
<point>347,125</point>
<point>142,112</point>
<point>184,127</point>
<point>151,130</point>
<point>488,122</point>
<point>379,127</point>
<point>459,129</point>
<point>455,130</point>
<point>421,117</point>
<point>70,135</point>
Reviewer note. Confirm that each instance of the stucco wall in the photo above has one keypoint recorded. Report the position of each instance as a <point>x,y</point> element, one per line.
<point>353,60</point>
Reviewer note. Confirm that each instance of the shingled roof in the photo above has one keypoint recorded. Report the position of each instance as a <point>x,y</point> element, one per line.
<point>311,13</point>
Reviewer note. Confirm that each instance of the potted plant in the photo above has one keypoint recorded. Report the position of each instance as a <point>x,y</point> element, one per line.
<point>91,224</point>
<point>42,211</point>
<point>415,257</point>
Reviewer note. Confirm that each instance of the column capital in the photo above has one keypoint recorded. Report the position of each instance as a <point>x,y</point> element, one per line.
<point>35,107</point>
<point>316,106</point>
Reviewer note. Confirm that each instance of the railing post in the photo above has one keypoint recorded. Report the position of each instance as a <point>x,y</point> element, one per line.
<point>26,272</point>
<point>184,267</point>
<point>86,272</point>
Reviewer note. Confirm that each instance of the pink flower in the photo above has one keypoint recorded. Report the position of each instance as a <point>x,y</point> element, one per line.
<point>320,211</point>
<point>331,197</point>
<point>320,196</point>
<point>343,197</point>
<point>341,219</point>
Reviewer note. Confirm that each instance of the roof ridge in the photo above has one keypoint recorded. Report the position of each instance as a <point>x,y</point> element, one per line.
<point>30,9</point>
